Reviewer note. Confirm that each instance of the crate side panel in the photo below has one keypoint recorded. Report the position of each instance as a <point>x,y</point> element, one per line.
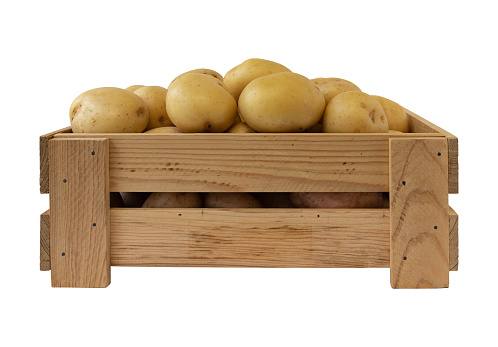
<point>419,213</point>
<point>250,237</point>
<point>79,213</point>
<point>44,160</point>
<point>453,240</point>
<point>249,163</point>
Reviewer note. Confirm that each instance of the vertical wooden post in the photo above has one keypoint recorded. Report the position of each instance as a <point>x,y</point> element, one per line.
<point>79,213</point>
<point>418,174</point>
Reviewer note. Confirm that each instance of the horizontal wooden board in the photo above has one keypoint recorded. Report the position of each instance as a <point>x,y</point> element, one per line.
<point>250,237</point>
<point>248,162</point>
<point>421,125</point>
<point>45,241</point>
<point>453,240</point>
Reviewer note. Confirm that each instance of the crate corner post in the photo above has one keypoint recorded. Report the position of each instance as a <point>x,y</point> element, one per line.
<point>419,237</point>
<point>79,212</point>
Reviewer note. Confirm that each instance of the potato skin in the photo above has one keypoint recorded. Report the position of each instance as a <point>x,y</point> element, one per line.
<point>108,110</point>
<point>354,112</point>
<point>240,76</point>
<point>240,128</point>
<point>163,130</point>
<point>275,200</point>
<point>173,200</point>
<point>134,87</point>
<point>331,87</point>
<point>231,200</point>
<point>205,72</point>
<point>281,102</point>
<point>200,103</point>
<point>155,99</point>
<point>396,115</point>
<point>337,200</point>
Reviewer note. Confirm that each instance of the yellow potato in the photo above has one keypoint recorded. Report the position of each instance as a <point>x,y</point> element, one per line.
<point>396,115</point>
<point>354,112</point>
<point>275,200</point>
<point>240,128</point>
<point>134,87</point>
<point>155,99</point>
<point>231,200</point>
<point>108,110</point>
<point>163,130</point>
<point>173,200</point>
<point>281,102</point>
<point>206,72</point>
<point>200,103</point>
<point>239,77</point>
<point>337,200</point>
<point>134,199</point>
<point>331,87</point>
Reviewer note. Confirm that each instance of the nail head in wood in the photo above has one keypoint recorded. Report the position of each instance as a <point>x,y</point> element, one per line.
<point>63,254</point>
<point>64,180</point>
<point>93,152</point>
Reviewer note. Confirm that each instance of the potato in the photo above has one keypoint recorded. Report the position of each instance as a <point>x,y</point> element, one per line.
<point>231,200</point>
<point>134,87</point>
<point>354,112</point>
<point>116,200</point>
<point>108,110</point>
<point>134,199</point>
<point>239,77</point>
<point>206,72</point>
<point>331,87</point>
<point>396,115</point>
<point>275,200</point>
<point>240,128</point>
<point>155,99</point>
<point>200,103</point>
<point>281,102</point>
<point>163,130</point>
<point>173,200</point>
<point>337,200</point>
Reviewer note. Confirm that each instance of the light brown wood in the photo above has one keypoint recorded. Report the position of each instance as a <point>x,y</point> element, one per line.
<point>79,212</point>
<point>419,213</point>
<point>421,125</point>
<point>250,237</point>
<point>453,240</point>
<point>44,162</point>
<point>249,162</point>
<point>45,241</point>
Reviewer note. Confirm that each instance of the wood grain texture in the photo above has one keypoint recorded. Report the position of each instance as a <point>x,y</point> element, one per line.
<point>79,212</point>
<point>453,240</point>
<point>420,125</point>
<point>419,213</point>
<point>45,241</point>
<point>250,237</point>
<point>249,162</point>
<point>44,162</point>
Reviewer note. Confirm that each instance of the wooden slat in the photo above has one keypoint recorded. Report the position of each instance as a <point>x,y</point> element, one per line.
<point>453,240</point>
<point>420,125</point>
<point>250,237</point>
<point>419,213</point>
<point>45,241</point>
<point>79,212</point>
<point>249,162</point>
<point>44,162</point>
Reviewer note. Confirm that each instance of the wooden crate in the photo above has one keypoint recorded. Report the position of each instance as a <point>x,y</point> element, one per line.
<point>416,237</point>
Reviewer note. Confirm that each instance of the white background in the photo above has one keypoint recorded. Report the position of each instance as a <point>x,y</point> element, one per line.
<point>436,58</point>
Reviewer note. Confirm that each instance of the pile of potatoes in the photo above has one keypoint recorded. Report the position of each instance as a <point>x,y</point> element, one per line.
<point>256,96</point>
<point>248,200</point>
